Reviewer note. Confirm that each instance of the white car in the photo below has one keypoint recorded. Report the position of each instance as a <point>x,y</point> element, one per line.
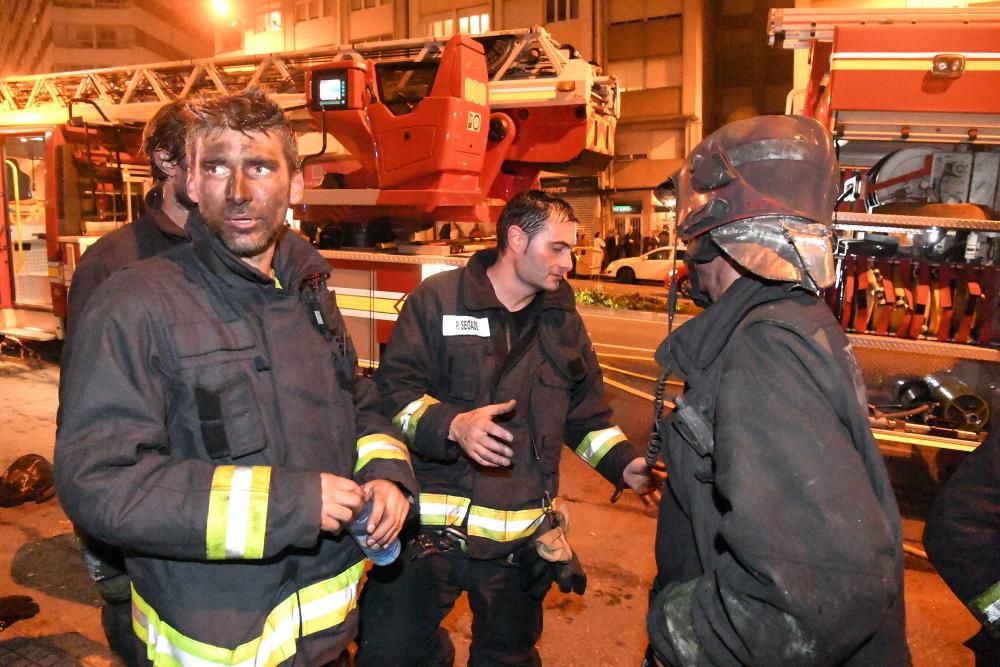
<point>653,265</point>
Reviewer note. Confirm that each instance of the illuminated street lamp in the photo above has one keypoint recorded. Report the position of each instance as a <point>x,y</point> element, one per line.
<point>221,8</point>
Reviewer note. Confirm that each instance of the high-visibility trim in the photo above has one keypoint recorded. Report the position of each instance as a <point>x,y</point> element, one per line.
<point>406,420</point>
<point>503,525</point>
<point>916,63</point>
<point>315,608</point>
<point>439,509</point>
<point>987,604</point>
<point>237,512</point>
<point>598,443</point>
<point>380,446</point>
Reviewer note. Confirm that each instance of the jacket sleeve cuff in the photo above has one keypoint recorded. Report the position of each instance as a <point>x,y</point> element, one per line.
<point>296,511</point>
<point>382,456</point>
<point>612,465</point>
<point>432,433</point>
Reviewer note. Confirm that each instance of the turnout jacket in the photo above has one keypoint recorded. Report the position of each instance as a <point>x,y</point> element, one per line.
<point>153,233</point>
<point>962,539</point>
<point>453,350</point>
<point>199,406</point>
<point>779,539</point>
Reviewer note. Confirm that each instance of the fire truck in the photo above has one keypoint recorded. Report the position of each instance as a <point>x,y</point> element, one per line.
<point>909,96</point>
<point>395,136</point>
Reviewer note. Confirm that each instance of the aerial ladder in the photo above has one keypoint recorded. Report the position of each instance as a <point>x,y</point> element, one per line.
<point>539,105</point>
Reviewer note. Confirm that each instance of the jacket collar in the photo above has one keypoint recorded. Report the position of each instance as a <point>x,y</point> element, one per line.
<point>699,341</point>
<point>294,259</point>
<point>477,293</point>
<point>154,205</point>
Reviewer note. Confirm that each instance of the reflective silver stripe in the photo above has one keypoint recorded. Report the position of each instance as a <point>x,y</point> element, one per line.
<point>407,419</point>
<point>439,509</point>
<point>598,443</point>
<point>239,512</point>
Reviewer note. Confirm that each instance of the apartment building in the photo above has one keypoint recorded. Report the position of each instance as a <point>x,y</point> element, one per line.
<point>60,35</point>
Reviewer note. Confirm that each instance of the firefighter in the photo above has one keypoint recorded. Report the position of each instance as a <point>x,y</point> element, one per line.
<point>488,372</point>
<point>779,538</point>
<point>162,224</point>
<point>962,538</point>
<point>214,427</point>
<point>161,227</point>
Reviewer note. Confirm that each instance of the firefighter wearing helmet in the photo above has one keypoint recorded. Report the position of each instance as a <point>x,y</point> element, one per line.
<point>779,541</point>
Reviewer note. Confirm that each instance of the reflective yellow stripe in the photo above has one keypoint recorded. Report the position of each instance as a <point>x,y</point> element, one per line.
<point>598,443</point>
<point>987,604</point>
<point>380,446</point>
<point>315,608</point>
<point>237,512</point>
<point>408,418</point>
<point>439,509</point>
<point>904,64</point>
<point>503,525</point>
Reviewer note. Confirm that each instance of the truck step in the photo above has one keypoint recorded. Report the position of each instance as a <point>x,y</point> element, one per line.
<point>28,333</point>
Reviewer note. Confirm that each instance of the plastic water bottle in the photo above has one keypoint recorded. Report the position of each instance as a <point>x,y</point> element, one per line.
<point>359,530</point>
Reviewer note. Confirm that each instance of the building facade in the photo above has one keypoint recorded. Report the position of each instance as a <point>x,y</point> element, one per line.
<point>38,36</point>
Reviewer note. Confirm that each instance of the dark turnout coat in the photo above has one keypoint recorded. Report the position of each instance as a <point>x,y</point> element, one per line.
<point>962,536</point>
<point>199,406</point>
<point>779,538</point>
<point>454,350</point>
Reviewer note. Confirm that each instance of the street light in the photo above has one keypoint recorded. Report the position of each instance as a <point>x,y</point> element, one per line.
<point>221,8</point>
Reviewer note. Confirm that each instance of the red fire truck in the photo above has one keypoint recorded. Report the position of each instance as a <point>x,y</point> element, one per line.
<point>395,135</point>
<point>909,96</point>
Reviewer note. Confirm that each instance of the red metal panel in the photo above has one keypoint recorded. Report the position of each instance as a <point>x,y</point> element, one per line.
<point>887,68</point>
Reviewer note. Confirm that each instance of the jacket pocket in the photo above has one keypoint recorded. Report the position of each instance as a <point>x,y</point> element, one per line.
<point>210,342</point>
<point>550,400</point>
<point>229,417</point>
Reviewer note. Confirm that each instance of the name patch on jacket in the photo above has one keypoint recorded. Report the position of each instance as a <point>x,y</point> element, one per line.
<point>463,325</point>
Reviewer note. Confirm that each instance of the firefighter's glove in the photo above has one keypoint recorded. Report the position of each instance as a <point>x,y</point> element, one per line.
<point>549,559</point>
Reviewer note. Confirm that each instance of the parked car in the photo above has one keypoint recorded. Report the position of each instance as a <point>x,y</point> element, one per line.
<point>653,265</point>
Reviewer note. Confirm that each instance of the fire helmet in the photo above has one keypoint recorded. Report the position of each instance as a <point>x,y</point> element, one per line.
<point>764,191</point>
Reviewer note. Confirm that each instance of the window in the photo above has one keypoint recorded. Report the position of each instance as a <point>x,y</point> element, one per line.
<point>307,10</point>
<point>268,17</point>
<point>357,5</point>
<point>475,23</point>
<point>646,54</point>
<point>80,36</point>
<point>469,21</point>
<point>561,10</point>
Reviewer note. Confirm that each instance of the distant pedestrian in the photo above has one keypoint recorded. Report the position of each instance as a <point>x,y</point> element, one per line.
<point>598,244</point>
<point>613,248</point>
<point>633,243</point>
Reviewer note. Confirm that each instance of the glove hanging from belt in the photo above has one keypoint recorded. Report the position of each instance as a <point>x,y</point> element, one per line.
<point>548,559</point>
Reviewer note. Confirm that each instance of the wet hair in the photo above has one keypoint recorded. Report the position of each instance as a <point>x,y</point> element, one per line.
<point>530,211</point>
<point>249,111</point>
<point>166,131</point>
